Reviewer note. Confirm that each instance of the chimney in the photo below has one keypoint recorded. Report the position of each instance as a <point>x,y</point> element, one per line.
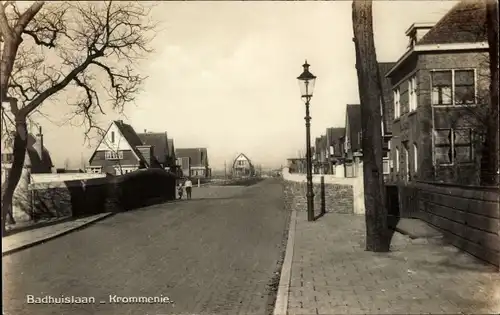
<point>38,145</point>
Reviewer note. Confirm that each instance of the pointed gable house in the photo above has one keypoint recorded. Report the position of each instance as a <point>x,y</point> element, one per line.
<point>242,166</point>
<point>121,151</point>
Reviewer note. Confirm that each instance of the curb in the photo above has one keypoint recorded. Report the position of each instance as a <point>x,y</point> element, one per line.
<point>281,305</point>
<point>54,236</point>
<point>36,226</point>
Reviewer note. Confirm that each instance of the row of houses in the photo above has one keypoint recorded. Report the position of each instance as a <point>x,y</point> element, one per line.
<point>121,150</point>
<point>434,107</point>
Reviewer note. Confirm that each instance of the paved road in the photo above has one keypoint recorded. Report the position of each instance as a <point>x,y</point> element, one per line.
<point>214,254</point>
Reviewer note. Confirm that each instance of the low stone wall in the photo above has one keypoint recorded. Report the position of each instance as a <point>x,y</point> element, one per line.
<point>340,193</point>
<point>469,217</point>
<point>68,198</point>
<point>337,198</point>
<point>335,194</point>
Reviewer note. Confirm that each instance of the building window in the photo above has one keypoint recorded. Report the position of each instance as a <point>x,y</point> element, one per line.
<point>453,87</point>
<point>111,155</point>
<point>396,160</point>
<point>412,90</point>
<point>415,158</point>
<point>397,103</point>
<point>407,165</point>
<point>112,137</point>
<point>453,146</point>
<point>7,157</point>
<point>386,166</point>
<point>389,144</point>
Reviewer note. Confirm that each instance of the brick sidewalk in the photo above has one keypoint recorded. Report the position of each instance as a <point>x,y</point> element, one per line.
<point>331,273</point>
<point>25,239</point>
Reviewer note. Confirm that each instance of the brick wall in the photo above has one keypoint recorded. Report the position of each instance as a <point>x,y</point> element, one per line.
<point>337,198</point>
<point>469,217</point>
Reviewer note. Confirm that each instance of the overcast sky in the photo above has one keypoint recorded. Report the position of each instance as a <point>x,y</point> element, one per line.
<point>223,75</point>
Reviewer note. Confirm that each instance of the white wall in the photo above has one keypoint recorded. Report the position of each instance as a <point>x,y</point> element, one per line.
<point>356,183</point>
<point>47,178</point>
<point>119,144</point>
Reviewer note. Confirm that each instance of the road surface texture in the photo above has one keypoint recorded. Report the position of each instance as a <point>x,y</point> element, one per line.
<point>214,254</point>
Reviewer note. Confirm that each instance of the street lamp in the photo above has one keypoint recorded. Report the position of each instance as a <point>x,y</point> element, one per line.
<point>306,83</point>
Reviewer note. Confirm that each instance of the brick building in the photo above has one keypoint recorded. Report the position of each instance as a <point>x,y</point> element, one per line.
<point>439,94</point>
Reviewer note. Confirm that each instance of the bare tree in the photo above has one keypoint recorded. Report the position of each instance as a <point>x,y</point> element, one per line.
<point>51,47</point>
<point>370,94</point>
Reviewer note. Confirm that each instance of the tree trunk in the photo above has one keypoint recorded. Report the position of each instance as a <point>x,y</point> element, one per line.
<point>489,163</point>
<point>377,239</point>
<point>14,173</point>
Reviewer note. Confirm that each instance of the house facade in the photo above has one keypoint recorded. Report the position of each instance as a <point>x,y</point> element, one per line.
<point>334,151</point>
<point>353,152</point>
<point>121,151</point>
<point>163,149</point>
<point>440,88</point>
<point>242,166</point>
<point>193,162</point>
<point>387,113</point>
<point>320,156</point>
<point>297,165</point>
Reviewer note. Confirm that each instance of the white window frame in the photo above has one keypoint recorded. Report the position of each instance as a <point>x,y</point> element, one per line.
<point>412,94</point>
<point>415,157</point>
<point>396,158</point>
<point>386,161</point>
<point>94,169</point>
<point>112,155</point>
<point>453,87</point>
<point>452,146</point>
<point>397,102</point>
<point>407,164</point>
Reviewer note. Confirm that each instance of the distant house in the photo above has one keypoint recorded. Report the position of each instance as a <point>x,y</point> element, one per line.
<point>440,86</point>
<point>193,162</point>
<point>37,161</point>
<point>162,150</point>
<point>353,151</point>
<point>334,151</point>
<point>37,158</point>
<point>242,166</point>
<point>121,151</point>
<point>321,155</point>
<point>297,165</point>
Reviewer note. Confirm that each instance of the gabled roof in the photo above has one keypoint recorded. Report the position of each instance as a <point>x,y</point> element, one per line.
<point>195,155</point>
<point>353,117</point>
<point>387,108</point>
<point>171,148</point>
<point>464,23</point>
<point>130,136</point>
<point>333,135</point>
<point>245,157</point>
<point>159,142</point>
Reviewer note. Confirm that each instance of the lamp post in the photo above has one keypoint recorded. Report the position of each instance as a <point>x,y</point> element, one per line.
<point>306,83</point>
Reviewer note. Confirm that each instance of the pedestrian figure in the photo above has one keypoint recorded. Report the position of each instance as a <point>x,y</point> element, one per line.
<point>180,190</point>
<point>189,186</point>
